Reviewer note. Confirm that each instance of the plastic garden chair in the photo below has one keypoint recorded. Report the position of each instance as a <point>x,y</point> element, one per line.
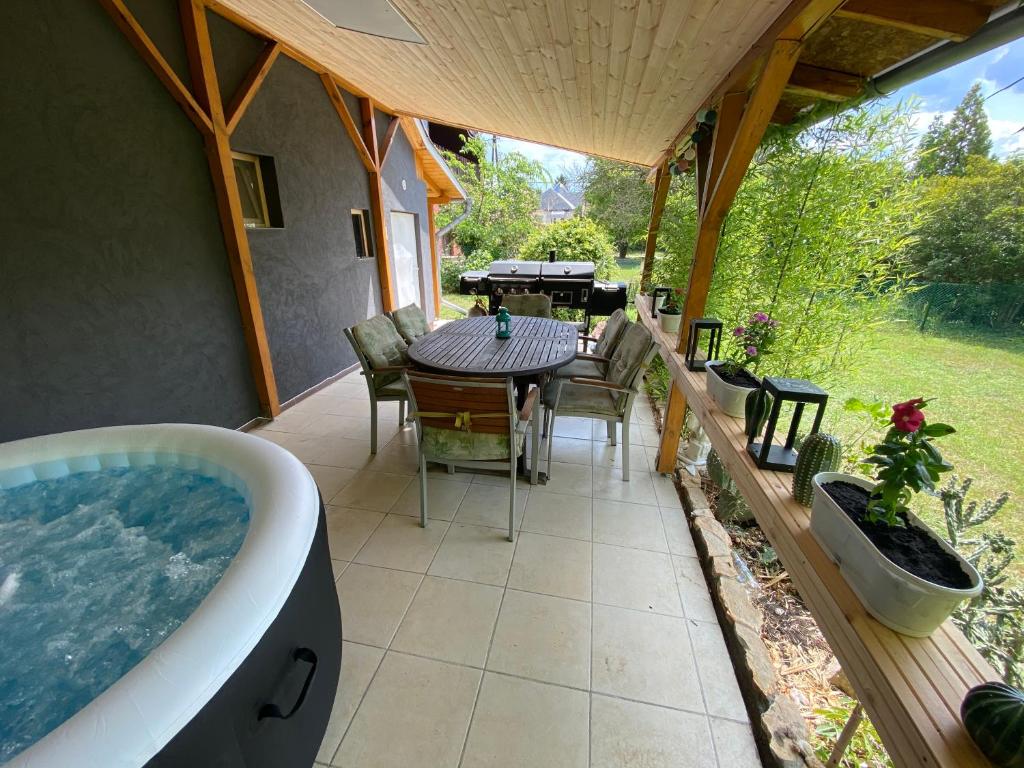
<point>410,322</point>
<point>593,365</point>
<point>527,304</point>
<point>383,357</point>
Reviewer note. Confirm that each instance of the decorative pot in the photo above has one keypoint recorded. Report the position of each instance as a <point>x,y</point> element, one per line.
<point>731,398</point>
<point>669,323</point>
<point>902,601</point>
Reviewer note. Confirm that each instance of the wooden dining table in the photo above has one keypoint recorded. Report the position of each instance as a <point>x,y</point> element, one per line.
<point>537,346</point>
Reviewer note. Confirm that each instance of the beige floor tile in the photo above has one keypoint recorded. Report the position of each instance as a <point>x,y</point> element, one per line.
<point>495,478</point>
<point>693,590</point>
<point>645,657</point>
<point>552,566</point>
<point>372,490</point>
<point>395,458</point>
<point>568,450</point>
<point>399,542</point>
<point>474,553</point>
<point>486,504</point>
<point>639,489</point>
<point>373,602</point>
<point>626,733</point>
<point>722,696</point>
<point>629,525</point>
<point>291,420</point>
<point>330,480</point>
<point>348,529</point>
<point>342,406</point>
<point>450,620</point>
<point>570,479</point>
<point>332,425</point>
<point>348,388</point>
<point>677,531</point>
<point>543,638</point>
<point>415,713</point>
<point>607,455</point>
<point>443,498</point>
<point>642,411</point>
<point>635,578</point>
<point>572,426</point>
<point>358,665</point>
<point>666,491</point>
<point>338,567</point>
<point>522,724</point>
<point>460,475</point>
<point>558,514</point>
<point>734,744</point>
<point>348,452</point>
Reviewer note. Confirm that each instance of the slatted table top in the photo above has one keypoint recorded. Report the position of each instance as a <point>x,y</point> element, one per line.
<point>468,347</point>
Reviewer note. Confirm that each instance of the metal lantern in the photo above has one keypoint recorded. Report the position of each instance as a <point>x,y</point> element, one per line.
<point>714,327</point>
<point>504,319</point>
<point>782,458</point>
<point>660,290</point>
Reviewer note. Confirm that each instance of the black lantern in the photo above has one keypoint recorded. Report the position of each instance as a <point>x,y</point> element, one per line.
<point>661,290</point>
<point>714,327</point>
<point>782,457</point>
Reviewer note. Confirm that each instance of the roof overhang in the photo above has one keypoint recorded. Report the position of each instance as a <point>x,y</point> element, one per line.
<point>442,183</point>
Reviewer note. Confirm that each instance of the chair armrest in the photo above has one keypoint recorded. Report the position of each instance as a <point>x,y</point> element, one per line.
<point>391,369</point>
<point>600,383</point>
<point>531,401</point>
<point>592,358</point>
<point>589,338</point>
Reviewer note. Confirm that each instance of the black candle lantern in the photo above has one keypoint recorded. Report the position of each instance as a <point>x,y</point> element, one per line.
<point>782,457</point>
<point>714,327</point>
<point>661,290</point>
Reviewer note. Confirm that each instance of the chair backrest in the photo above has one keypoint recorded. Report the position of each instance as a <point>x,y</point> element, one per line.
<point>410,322</point>
<point>527,304</point>
<point>631,357</point>
<point>612,333</point>
<point>377,343</point>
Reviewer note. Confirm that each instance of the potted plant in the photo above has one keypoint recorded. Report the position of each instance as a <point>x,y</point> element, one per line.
<point>907,577</point>
<point>729,381</point>
<point>670,313</point>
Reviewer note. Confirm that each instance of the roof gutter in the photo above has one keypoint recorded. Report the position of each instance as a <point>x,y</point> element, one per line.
<point>1004,26</point>
<point>457,220</point>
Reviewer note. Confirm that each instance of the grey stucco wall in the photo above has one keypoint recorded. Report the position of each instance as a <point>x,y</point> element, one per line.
<point>116,302</point>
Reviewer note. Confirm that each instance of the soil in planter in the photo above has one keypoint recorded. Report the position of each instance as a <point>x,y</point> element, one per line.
<point>909,547</point>
<point>742,377</point>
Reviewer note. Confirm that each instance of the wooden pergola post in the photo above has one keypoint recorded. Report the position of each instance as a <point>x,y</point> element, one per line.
<point>662,182</point>
<point>387,288</point>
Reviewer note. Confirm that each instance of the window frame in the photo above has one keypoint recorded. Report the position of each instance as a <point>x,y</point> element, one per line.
<point>254,160</point>
<point>365,230</point>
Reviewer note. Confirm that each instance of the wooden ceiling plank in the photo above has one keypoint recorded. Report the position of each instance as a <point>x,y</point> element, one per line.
<point>947,19</point>
<point>823,83</point>
<point>251,84</point>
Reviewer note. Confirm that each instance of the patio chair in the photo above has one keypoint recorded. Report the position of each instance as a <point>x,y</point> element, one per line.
<point>382,356</point>
<point>410,322</point>
<point>609,398</point>
<point>593,365</point>
<point>470,422</point>
<point>527,304</point>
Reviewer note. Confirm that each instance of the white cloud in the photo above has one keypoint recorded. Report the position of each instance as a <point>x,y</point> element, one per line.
<point>1007,135</point>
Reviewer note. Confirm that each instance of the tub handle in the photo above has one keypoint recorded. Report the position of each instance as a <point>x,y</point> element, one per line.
<point>273,710</point>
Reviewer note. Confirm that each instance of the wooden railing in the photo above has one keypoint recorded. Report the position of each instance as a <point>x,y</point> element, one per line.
<point>911,687</point>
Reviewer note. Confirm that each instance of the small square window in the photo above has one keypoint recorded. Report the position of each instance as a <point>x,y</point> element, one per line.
<point>249,176</point>
<point>361,229</point>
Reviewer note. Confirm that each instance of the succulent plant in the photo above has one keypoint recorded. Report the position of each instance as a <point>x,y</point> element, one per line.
<point>729,503</point>
<point>818,453</point>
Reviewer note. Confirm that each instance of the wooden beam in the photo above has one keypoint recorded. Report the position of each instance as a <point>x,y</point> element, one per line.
<point>369,161</point>
<point>229,204</point>
<point>662,182</point>
<point>435,260</point>
<point>671,429</point>
<point>730,111</point>
<point>389,136</point>
<point>145,47</point>
<point>251,84</point>
<point>947,19</point>
<point>387,290</point>
<point>824,83</point>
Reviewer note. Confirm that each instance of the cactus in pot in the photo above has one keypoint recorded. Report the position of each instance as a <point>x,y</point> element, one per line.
<point>754,417</point>
<point>818,453</point>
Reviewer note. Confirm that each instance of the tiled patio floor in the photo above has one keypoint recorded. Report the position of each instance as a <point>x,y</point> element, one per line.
<point>590,641</point>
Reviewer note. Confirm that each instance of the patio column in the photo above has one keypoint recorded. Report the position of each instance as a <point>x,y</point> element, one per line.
<point>662,182</point>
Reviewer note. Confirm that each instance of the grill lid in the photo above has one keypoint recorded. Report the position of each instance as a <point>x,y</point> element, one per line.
<point>567,270</point>
<point>520,270</point>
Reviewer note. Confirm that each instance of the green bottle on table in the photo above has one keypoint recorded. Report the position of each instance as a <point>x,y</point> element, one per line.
<point>504,318</point>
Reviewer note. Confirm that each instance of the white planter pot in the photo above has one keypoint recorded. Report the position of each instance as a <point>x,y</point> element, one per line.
<point>903,602</point>
<point>669,323</point>
<point>730,398</point>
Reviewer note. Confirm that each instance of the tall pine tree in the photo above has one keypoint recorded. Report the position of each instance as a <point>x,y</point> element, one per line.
<point>944,149</point>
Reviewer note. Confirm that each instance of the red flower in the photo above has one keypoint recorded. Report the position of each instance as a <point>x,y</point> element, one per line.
<point>907,417</point>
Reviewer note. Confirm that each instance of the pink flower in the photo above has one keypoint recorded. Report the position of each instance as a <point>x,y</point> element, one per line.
<point>751,351</point>
<point>738,331</point>
<point>760,317</point>
<point>907,417</point>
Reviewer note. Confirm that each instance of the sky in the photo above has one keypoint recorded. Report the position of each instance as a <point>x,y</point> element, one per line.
<point>938,94</point>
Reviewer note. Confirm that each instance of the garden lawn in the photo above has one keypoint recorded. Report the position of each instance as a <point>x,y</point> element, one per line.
<point>977,381</point>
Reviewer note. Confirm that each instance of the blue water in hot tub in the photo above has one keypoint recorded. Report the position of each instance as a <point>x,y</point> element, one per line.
<point>96,570</point>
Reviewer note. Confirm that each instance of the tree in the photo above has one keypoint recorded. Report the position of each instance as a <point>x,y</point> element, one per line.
<point>619,199</point>
<point>574,239</point>
<point>503,201</point>
<point>945,148</point>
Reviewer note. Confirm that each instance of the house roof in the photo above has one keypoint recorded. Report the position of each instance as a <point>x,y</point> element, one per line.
<point>620,79</point>
<point>440,179</point>
<point>559,198</point>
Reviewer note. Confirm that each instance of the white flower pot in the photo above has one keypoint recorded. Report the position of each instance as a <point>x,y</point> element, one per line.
<point>900,600</point>
<point>730,398</point>
<point>669,323</point>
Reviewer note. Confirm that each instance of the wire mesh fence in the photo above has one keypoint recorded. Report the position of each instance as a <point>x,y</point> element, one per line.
<point>991,306</point>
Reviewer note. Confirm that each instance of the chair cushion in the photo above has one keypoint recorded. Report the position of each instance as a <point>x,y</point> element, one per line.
<point>628,355</point>
<point>382,346</point>
<point>586,368</point>
<point>440,444</point>
<point>580,399</point>
<point>527,304</point>
<point>613,328</point>
<point>410,322</point>
<point>391,388</point>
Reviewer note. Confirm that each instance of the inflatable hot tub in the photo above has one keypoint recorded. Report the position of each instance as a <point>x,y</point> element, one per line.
<point>249,677</point>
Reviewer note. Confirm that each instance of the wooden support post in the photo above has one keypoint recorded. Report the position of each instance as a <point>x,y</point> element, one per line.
<point>369,161</point>
<point>229,205</point>
<point>389,137</point>
<point>662,182</point>
<point>671,429</point>
<point>846,736</point>
<point>435,261</point>
<point>252,82</point>
<point>387,294</point>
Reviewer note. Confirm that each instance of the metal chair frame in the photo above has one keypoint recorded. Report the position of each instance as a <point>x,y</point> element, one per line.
<point>371,373</point>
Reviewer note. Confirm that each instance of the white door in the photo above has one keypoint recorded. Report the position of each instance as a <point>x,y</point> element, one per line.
<point>405,258</point>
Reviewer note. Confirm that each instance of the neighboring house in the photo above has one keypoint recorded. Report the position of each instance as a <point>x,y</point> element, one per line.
<point>557,203</point>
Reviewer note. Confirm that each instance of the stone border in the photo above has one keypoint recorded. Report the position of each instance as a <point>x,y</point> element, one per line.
<point>779,727</point>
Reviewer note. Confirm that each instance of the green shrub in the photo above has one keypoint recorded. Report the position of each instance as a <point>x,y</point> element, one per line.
<point>573,239</point>
<point>451,268</point>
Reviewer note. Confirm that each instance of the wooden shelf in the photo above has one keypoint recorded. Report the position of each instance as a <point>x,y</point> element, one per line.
<point>911,687</point>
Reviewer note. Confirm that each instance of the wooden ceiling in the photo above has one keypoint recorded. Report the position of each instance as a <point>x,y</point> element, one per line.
<point>615,78</point>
